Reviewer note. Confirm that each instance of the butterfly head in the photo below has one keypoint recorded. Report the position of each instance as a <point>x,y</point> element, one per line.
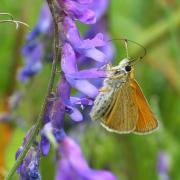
<point>125,67</point>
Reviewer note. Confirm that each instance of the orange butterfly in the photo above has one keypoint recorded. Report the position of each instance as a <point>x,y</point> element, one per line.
<point>121,106</point>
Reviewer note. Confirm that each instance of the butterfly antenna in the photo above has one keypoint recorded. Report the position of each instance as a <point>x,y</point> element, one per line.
<point>126,46</point>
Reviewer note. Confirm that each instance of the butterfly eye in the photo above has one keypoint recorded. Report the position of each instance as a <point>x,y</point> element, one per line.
<point>128,68</point>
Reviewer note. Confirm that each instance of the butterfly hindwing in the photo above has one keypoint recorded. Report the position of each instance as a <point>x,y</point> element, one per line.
<point>146,120</point>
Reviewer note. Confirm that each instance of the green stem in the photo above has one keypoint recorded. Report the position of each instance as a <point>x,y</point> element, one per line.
<point>38,124</point>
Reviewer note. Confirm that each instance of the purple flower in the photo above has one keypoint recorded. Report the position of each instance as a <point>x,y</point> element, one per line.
<point>108,49</point>
<point>78,10</point>
<point>29,169</point>
<point>44,144</point>
<point>163,165</point>
<point>69,67</point>
<point>49,105</point>
<point>64,105</point>
<point>73,166</point>
<point>44,24</point>
<point>54,116</point>
<point>81,101</point>
<point>86,47</point>
<point>60,104</point>
<point>57,134</point>
<point>34,49</point>
<point>33,61</point>
<point>55,112</point>
<point>99,7</point>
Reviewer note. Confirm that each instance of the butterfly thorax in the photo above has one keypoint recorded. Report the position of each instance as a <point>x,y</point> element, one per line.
<point>114,82</point>
<point>118,74</point>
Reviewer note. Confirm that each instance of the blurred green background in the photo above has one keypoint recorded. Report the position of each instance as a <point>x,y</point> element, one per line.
<point>155,24</point>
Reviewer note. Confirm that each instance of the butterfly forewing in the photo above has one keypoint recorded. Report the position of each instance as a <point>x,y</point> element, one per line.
<point>122,114</point>
<point>146,120</point>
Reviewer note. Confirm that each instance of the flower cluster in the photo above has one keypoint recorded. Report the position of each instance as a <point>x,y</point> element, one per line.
<point>29,168</point>
<point>34,49</point>
<point>81,59</point>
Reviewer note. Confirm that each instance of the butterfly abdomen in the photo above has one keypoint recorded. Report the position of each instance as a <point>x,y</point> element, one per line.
<point>101,104</point>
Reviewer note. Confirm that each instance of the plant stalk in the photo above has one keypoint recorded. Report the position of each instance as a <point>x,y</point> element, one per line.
<point>38,125</point>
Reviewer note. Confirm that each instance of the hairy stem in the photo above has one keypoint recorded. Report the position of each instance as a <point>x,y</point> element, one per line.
<point>38,125</point>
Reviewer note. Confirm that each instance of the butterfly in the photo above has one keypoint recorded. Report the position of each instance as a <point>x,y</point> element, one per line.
<point>121,106</point>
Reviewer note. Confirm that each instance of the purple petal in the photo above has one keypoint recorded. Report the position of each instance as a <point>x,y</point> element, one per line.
<point>63,89</point>
<point>74,113</point>
<point>74,166</point>
<point>28,48</point>
<point>84,1</point>
<point>49,105</point>
<point>95,54</point>
<point>44,24</point>
<point>81,101</point>
<point>44,145</point>
<point>57,114</point>
<point>35,54</point>
<point>71,150</point>
<point>108,49</point>
<point>71,31</point>
<point>99,175</point>
<point>29,71</point>
<point>59,134</point>
<point>30,165</point>
<point>68,62</point>
<point>99,7</point>
<point>84,86</point>
<point>78,11</point>
<point>97,41</point>
<point>65,171</point>
<point>163,163</point>
<point>90,73</point>
<point>73,36</point>
<point>33,62</point>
